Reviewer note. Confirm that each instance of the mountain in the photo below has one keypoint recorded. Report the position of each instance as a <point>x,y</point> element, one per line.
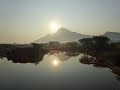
<point>113,36</point>
<point>63,35</point>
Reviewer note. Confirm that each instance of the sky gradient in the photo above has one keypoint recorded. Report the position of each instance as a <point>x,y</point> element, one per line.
<point>23,21</point>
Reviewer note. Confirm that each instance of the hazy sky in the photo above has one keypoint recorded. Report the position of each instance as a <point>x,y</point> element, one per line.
<point>23,21</point>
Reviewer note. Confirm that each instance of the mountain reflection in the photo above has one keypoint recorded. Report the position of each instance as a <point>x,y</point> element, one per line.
<point>63,56</point>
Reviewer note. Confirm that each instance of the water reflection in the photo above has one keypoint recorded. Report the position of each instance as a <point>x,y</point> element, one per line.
<point>63,56</point>
<point>28,55</point>
<point>24,55</point>
<point>57,71</point>
<point>102,63</point>
<point>55,62</point>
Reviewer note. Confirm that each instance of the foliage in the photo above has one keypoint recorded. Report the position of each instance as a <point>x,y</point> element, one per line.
<point>94,44</point>
<point>72,46</point>
<point>100,43</point>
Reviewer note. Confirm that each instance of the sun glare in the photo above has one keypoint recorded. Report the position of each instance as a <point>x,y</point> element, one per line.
<point>54,27</point>
<point>55,62</point>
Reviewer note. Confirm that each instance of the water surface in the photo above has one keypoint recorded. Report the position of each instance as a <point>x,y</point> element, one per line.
<point>56,71</point>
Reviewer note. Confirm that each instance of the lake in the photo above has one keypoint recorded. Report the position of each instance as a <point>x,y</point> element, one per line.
<point>55,71</point>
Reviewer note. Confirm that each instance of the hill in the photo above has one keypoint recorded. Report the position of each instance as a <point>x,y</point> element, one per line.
<point>63,35</point>
<point>113,36</point>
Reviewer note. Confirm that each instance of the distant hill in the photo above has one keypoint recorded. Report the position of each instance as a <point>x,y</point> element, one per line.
<point>113,36</point>
<point>63,35</point>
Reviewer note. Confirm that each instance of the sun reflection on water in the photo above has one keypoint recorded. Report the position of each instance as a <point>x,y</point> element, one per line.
<point>55,62</point>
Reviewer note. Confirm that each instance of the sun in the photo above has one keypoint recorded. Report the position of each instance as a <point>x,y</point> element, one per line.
<point>54,27</point>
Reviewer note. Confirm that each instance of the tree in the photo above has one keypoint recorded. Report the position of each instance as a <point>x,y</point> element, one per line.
<point>94,44</point>
<point>100,43</point>
<point>86,45</point>
<point>72,46</point>
<point>54,45</point>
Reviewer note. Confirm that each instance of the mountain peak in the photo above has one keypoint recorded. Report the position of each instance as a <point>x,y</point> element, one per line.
<point>63,30</point>
<point>63,35</point>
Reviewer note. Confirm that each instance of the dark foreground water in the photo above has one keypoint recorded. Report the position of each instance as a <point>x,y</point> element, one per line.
<point>58,71</point>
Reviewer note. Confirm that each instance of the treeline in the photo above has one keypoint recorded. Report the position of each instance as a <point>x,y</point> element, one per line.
<point>55,45</point>
<point>28,49</point>
<point>96,46</point>
<point>85,45</point>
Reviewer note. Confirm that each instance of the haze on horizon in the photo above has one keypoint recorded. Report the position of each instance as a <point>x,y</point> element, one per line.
<point>23,21</point>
